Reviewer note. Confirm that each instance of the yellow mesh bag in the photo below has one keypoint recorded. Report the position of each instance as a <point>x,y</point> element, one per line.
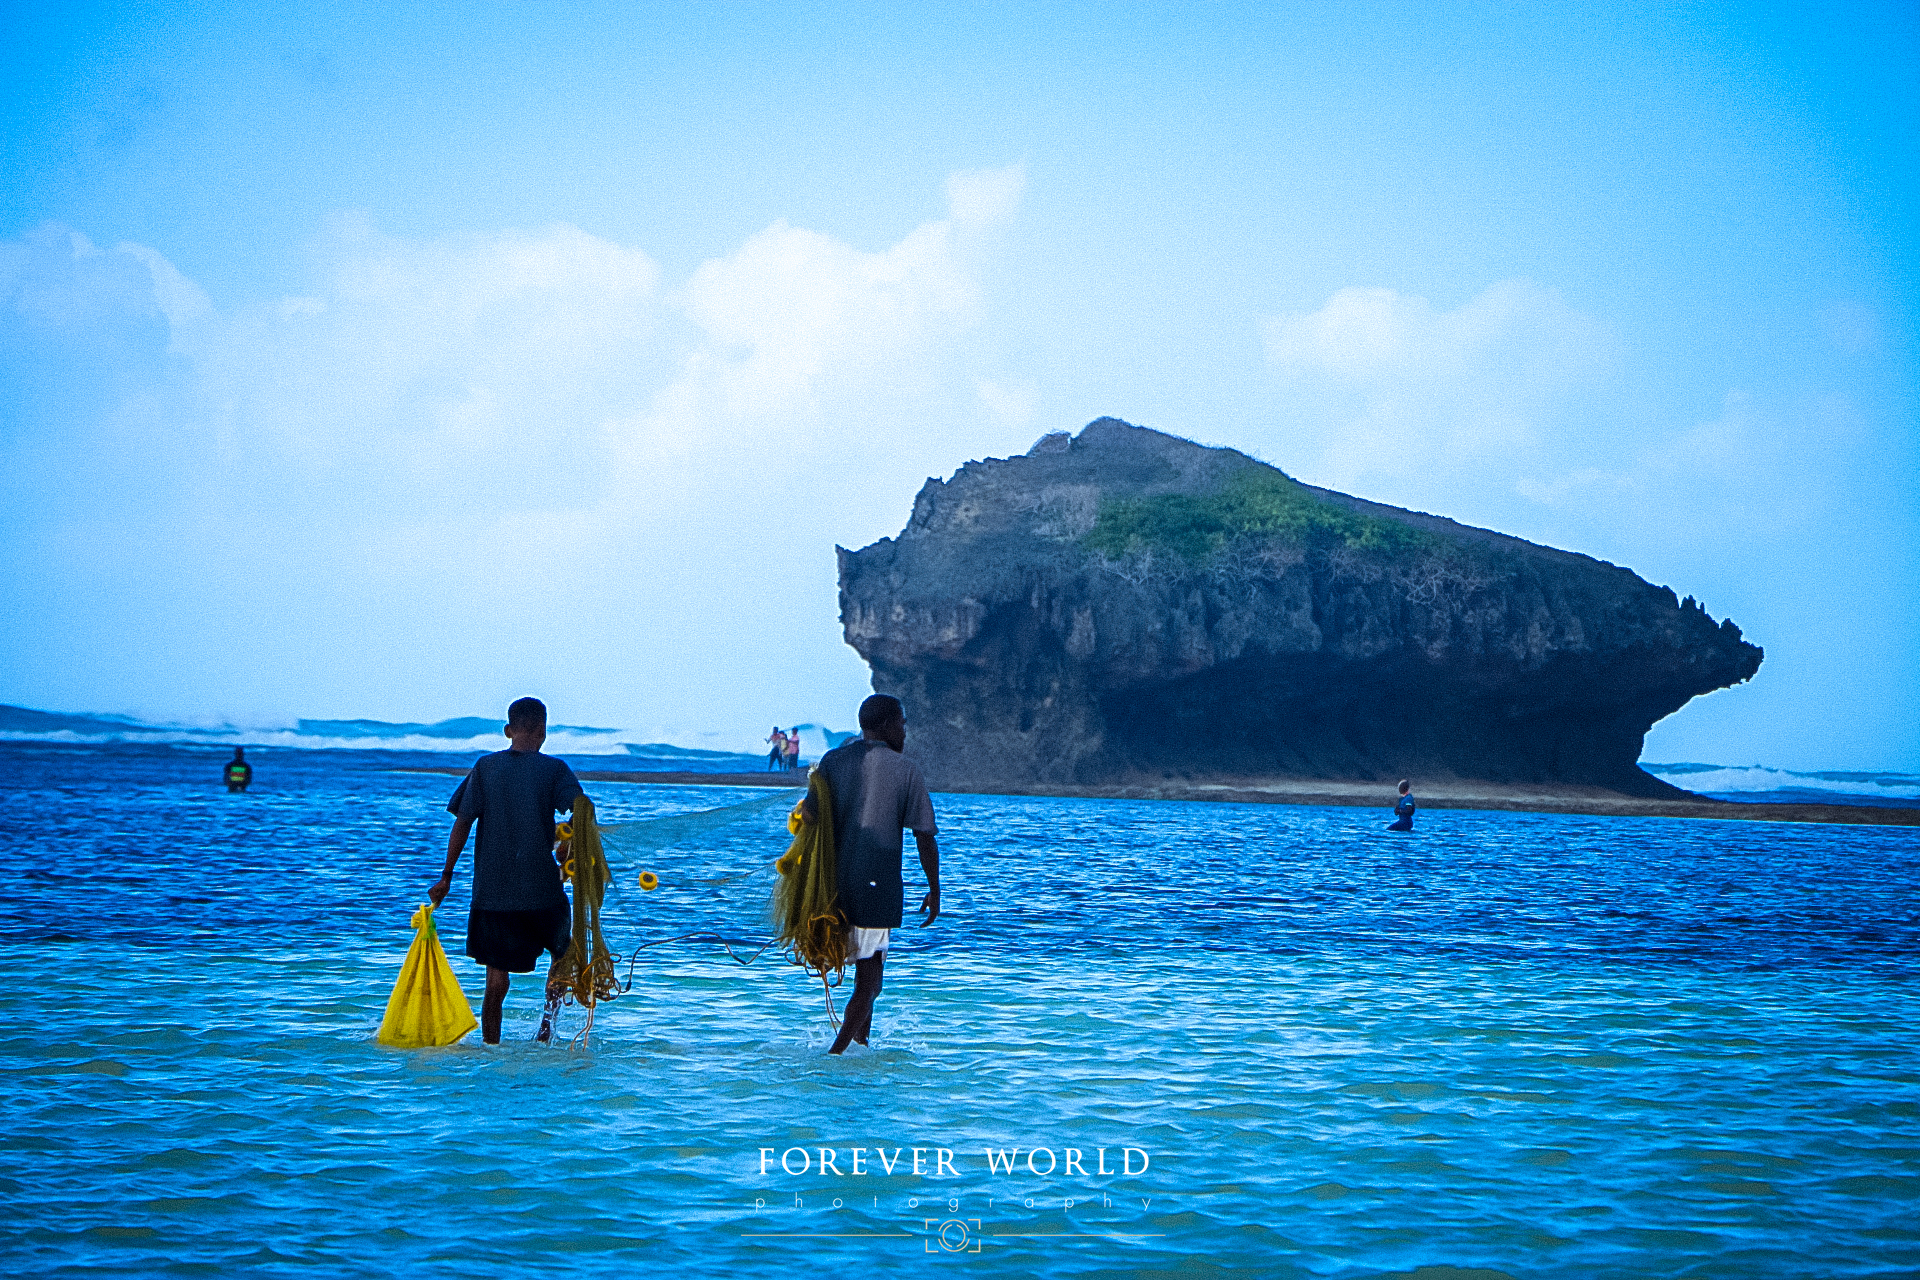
<point>427,1006</point>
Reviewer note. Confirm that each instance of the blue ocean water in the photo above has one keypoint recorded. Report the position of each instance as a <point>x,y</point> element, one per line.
<point>1511,1044</point>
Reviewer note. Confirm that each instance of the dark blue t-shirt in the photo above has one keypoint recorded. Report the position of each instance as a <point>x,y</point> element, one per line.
<point>877,793</point>
<point>515,794</point>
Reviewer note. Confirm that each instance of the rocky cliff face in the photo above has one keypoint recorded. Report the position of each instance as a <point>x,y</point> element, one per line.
<point>1126,606</point>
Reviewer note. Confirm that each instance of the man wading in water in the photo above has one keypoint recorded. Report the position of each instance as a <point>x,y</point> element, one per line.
<point>877,793</point>
<point>519,908</point>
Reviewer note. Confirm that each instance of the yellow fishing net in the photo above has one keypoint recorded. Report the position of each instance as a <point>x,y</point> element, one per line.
<point>586,971</point>
<point>806,921</point>
<point>427,1006</point>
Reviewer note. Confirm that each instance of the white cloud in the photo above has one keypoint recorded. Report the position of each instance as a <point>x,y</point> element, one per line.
<point>432,436</point>
<point>181,300</point>
<point>983,197</point>
<point>419,366</point>
<point>1514,328</point>
<point>799,305</point>
<point>1500,413</point>
<point>1012,403</point>
<point>792,307</point>
<point>59,281</point>
<point>1390,387</point>
<point>1585,481</point>
<point>1708,467</point>
<point>430,365</point>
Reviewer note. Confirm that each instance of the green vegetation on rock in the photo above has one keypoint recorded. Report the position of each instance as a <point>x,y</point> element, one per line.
<point>1255,502</point>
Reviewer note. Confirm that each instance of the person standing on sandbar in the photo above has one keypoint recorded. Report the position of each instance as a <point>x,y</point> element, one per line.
<point>877,793</point>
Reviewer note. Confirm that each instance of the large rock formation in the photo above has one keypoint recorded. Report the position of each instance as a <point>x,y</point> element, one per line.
<point>1125,606</point>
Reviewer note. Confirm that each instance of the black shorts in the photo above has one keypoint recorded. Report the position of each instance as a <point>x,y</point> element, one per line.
<point>513,940</point>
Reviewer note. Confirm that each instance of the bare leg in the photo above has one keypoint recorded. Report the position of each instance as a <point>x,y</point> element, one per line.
<point>857,1022</point>
<point>490,1004</point>
<point>555,994</point>
<point>879,962</point>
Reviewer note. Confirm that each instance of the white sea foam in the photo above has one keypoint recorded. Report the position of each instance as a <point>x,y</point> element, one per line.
<point>471,735</point>
<point>558,743</point>
<point>1735,780</point>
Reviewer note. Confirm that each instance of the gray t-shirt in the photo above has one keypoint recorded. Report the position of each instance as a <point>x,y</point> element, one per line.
<point>877,793</point>
<point>515,795</point>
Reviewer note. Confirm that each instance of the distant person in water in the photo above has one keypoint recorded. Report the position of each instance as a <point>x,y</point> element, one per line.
<point>1403,808</point>
<point>793,748</point>
<point>239,773</point>
<point>776,756</point>
<point>876,793</point>
<point>519,908</point>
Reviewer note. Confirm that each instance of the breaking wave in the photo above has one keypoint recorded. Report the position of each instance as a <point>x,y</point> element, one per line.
<point>463,736</point>
<point>1759,784</point>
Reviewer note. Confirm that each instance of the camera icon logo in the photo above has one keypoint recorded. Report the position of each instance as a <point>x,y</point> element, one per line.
<point>955,1235</point>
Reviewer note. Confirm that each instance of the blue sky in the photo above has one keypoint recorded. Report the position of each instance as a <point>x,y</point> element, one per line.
<point>395,360</point>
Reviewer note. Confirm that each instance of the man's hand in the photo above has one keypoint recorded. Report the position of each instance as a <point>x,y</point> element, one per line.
<point>439,890</point>
<point>930,865</point>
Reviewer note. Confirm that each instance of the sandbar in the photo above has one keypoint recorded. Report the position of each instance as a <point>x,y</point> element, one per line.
<point>1450,794</point>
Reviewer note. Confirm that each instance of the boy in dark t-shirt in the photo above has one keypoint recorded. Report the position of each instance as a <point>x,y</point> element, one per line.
<point>519,908</point>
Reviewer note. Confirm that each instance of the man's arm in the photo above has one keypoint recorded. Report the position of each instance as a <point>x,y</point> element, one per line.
<point>930,864</point>
<point>456,844</point>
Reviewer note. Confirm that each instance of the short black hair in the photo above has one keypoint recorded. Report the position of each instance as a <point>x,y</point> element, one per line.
<point>527,711</point>
<point>881,710</point>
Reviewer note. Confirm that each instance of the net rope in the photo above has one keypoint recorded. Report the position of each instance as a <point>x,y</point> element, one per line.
<point>808,927</point>
<point>586,974</point>
<point>807,922</point>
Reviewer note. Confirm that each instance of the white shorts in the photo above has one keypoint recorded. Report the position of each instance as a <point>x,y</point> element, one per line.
<point>863,943</point>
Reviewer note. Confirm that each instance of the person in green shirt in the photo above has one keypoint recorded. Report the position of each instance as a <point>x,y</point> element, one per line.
<point>239,773</point>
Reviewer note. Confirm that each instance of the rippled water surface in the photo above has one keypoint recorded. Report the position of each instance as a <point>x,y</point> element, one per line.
<point>1509,1044</point>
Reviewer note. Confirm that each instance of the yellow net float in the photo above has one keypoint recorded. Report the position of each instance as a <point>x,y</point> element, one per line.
<point>649,881</point>
<point>564,831</point>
